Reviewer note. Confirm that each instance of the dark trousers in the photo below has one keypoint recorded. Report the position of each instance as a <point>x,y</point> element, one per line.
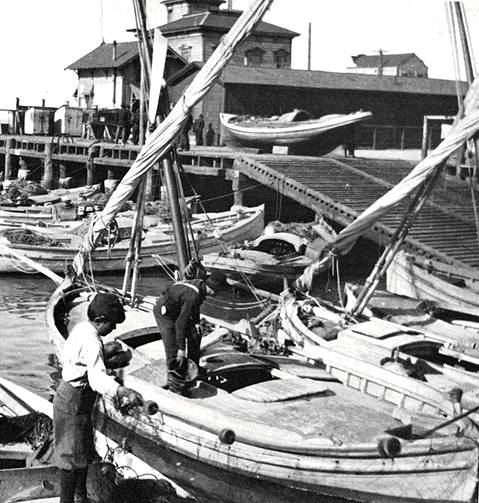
<point>73,438</point>
<point>168,335</point>
<point>73,483</point>
<point>199,138</point>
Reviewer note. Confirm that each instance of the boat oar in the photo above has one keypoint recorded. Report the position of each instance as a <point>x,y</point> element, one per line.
<point>7,250</point>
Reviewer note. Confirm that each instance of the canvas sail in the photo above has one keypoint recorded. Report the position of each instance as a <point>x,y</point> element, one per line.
<point>462,130</point>
<point>163,138</point>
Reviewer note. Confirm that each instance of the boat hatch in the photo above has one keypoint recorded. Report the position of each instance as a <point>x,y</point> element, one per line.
<point>380,329</point>
<point>231,371</point>
<point>281,390</point>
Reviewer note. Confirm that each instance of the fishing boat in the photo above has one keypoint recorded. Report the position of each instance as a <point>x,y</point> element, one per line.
<point>432,361</point>
<point>60,246</point>
<point>295,130</point>
<point>449,287</point>
<point>256,427</point>
<point>26,468</point>
<point>281,253</point>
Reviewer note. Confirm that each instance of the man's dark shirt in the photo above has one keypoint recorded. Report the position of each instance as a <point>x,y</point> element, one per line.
<point>182,301</point>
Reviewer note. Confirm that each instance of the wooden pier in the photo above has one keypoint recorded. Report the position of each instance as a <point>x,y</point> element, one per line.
<point>341,189</point>
<point>338,188</point>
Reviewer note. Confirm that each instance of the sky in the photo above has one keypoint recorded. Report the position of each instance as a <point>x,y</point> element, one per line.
<point>40,38</point>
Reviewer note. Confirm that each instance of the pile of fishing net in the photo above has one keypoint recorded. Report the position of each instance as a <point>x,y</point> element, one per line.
<point>305,230</point>
<point>19,192</point>
<point>29,237</point>
<point>35,429</point>
<point>161,209</point>
<point>112,484</point>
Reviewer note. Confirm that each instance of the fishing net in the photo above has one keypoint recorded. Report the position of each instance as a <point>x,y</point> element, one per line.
<point>29,237</point>
<point>20,191</point>
<point>35,429</point>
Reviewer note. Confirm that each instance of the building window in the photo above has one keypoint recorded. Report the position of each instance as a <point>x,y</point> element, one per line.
<point>185,51</point>
<point>253,57</point>
<point>282,59</point>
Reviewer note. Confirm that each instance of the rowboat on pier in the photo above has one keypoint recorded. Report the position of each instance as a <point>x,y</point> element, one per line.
<point>295,130</point>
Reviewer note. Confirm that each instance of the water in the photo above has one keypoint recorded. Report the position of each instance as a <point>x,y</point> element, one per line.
<point>23,332</point>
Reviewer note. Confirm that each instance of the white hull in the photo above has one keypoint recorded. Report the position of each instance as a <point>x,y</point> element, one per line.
<point>156,243</point>
<point>406,278</point>
<point>276,458</point>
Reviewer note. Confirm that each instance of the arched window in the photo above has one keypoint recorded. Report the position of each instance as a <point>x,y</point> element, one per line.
<point>253,57</point>
<point>185,51</point>
<point>282,59</point>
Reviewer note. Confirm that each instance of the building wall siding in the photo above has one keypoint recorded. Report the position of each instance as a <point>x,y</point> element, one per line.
<point>387,108</point>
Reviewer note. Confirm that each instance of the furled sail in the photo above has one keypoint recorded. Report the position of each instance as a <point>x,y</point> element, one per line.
<point>162,139</point>
<point>463,129</point>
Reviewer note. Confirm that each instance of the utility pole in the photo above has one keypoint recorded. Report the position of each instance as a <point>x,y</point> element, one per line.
<point>380,63</point>
<point>309,46</point>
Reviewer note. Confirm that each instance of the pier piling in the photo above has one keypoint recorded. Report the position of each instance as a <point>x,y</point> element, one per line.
<point>10,144</point>
<point>48,167</point>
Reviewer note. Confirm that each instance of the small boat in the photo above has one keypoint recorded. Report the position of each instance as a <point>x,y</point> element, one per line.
<point>295,130</point>
<point>401,363</point>
<point>454,331</point>
<point>26,469</point>
<point>450,288</point>
<point>281,253</point>
<point>270,429</point>
<point>212,231</point>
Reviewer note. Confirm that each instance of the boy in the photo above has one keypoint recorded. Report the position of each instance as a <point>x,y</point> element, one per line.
<point>83,376</point>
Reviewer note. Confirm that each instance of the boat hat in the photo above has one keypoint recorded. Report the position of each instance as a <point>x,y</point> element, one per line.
<point>194,270</point>
<point>107,305</point>
<point>216,281</point>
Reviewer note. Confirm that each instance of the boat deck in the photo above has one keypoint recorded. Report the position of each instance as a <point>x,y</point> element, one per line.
<point>341,188</point>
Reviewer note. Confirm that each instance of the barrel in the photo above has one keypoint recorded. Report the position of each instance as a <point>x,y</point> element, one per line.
<point>23,174</point>
<point>110,185</point>
<point>65,183</point>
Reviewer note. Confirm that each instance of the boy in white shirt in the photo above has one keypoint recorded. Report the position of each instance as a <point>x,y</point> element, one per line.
<point>83,376</point>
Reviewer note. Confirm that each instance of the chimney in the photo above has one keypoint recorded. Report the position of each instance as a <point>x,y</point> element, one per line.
<point>230,4</point>
<point>114,50</point>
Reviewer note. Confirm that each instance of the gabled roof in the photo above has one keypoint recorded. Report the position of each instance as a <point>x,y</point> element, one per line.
<point>275,77</point>
<point>364,61</point>
<point>102,56</point>
<point>220,21</point>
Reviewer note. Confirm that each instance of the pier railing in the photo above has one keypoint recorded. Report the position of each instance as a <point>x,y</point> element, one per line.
<point>379,137</point>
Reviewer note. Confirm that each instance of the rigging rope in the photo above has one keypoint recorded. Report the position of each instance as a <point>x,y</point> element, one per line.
<point>217,234</point>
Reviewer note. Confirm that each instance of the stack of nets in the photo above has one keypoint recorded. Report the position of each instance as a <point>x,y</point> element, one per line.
<point>19,192</point>
<point>29,237</point>
<point>35,429</point>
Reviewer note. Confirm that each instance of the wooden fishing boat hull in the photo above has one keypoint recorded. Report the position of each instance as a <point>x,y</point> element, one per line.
<point>263,275</point>
<point>158,246</point>
<point>405,277</point>
<point>358,361</point>
<point>263,461</point>
<point>266,262</point>
<point>316,136</point>
<point>17,482</point>
<point>214,472</point>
